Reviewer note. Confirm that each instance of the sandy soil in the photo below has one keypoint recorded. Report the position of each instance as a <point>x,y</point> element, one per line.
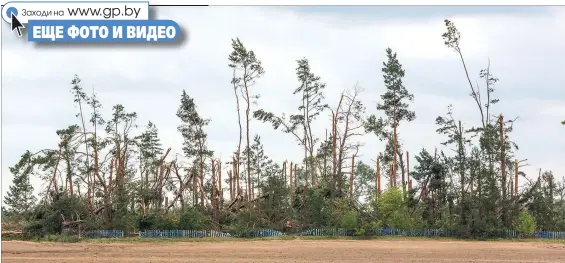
<point>397,251</point>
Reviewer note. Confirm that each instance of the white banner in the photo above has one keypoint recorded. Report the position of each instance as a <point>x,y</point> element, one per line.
<point>75,10</point>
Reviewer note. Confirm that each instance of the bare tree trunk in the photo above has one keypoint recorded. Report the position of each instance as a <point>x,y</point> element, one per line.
<point>305,138</point>
<point>395,149</point>
<point>402,171</point>
<point>378,175</point>
<point>351,176</point>
<point>334,151</point>
<point>69,180</point>
<point>221,190</point>
<point>194,189</point>
<point>516,178</point>
<point>248,151</point>
<point>237,179</point>
<point>503,169</point>
<point>89,173</point>
<point>201,177</point>
<point>391,179</point>
<point>295,176</point>
<point>238,154</point>
<point>258,178</point>
<point>230,179</point>
<point>325,158</point>
<point>54,178</point>
<point>284,171</point>
<point>213,196</point>
<point>408,171</point>
<point>461,168</point>
<point>291,183</point>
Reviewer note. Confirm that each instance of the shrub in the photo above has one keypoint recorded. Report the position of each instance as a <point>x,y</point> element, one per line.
<point>526,224</point>
<point>191,220</point>
<point>349,220</point>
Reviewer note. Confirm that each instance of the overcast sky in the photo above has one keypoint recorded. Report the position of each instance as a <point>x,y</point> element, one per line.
<point>345,46</point>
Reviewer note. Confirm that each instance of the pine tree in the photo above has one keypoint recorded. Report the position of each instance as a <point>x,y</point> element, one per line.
<point>69,149</point>
<point>245,61</point>
<point>150,150</point>
<point>119,128</point>
<point>310,90</point>
<point>195,139</point>
<point>395,106</point>
<point>20,198</point>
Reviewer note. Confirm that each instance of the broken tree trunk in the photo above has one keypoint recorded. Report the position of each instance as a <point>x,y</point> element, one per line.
<point>96,165</point>
<point>407,173</point>
<point>334,146</point>
<point>503,169</point>
<point>516,178</point>
<point>252,201</point>
<point>201,178</point>
<point>325,159</point>
<point>351,176</point>
<point>54,178</point>
<point>220,189</point>
<point>295,177</point>
<point>284,171</point>
<point>194,189</point>
<point>291,183</point>
<point>230,179</point>
<point>236,175</point>
<point>378,175</point>
<point>213,192</point>
<point>392,183</point>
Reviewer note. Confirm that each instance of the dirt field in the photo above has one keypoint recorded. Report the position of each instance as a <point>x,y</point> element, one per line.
<point>397,251</point>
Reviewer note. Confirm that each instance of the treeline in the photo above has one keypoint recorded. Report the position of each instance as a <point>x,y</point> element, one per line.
<point>104,174</point>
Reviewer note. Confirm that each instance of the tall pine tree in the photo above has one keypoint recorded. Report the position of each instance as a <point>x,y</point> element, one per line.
<point>195,140</point>
<point>394,104</point>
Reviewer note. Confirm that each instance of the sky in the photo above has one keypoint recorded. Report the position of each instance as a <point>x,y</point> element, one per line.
<point>344,45</point>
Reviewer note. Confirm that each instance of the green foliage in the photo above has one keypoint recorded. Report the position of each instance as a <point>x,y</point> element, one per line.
<point>394,102</point>
<point>47,220</point>
<point>393,211</point>
<point>525,223</point>
<point>192,128</point>
<point>349,220</point>
<point>368,228</point>
<point>149,144</point>
<point>245,223</point>
<point>192,220</point>
<point>117,176</point>
<point>20,198</point>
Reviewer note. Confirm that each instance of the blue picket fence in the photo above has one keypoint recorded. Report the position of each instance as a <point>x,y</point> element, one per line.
<point>207,233</point>
<point>112,233</point>
<point>319,232</point>
<point>375,232</point>
<point>543,234</point>
<point>550,235</point>
<point>265,233</point>
<point>418,233</point>
<point>182,234</point>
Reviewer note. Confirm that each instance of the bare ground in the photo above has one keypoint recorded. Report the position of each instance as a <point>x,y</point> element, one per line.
<point>354,251</point>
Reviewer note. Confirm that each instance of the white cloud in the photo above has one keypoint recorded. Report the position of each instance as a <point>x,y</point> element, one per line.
<point>525,50</point>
